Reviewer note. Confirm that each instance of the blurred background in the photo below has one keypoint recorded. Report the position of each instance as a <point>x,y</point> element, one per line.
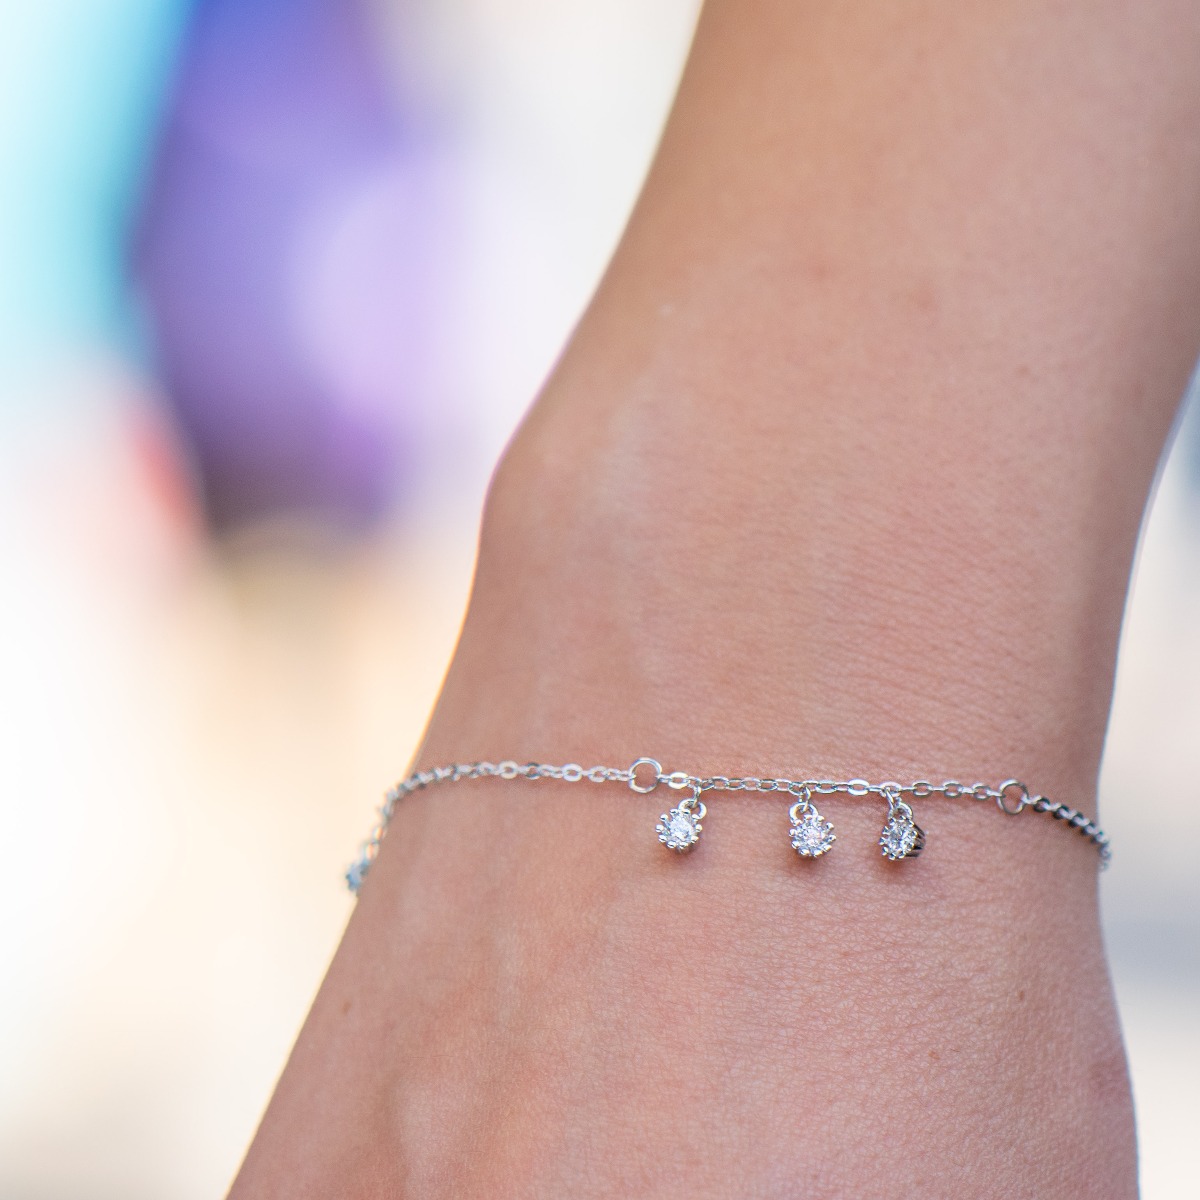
<point>277,279</point>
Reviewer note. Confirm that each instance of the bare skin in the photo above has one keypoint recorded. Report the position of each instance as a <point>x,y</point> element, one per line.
<point>842,474</point>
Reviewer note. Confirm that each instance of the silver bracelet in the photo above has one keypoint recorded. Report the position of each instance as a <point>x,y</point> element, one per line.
<point>680,827</point>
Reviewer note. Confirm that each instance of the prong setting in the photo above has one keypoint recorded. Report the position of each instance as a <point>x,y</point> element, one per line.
<point>811,835</point>
<point>901,837</point>
<point>680,828</point>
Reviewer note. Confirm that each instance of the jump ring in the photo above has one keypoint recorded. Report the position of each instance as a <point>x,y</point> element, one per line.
<point>633,770</point>
<point>1022,796</point>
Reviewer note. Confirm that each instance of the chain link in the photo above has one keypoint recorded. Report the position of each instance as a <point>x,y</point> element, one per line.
<point>1012,797</point>
<point>951,789</point>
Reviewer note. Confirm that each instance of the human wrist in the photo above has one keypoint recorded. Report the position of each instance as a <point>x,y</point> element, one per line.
<point>628,582</point>
<point>749,987</point>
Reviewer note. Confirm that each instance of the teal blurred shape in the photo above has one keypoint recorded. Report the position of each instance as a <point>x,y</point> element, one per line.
<point>82,83</point>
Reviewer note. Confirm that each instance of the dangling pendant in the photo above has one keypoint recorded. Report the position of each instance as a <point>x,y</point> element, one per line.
<point>902,837</point>
<point>356,873</point>
<point>812,835</point>
<point>680,829</point>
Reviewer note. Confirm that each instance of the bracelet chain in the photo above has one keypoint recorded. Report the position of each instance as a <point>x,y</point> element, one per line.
<point>1012,797</point>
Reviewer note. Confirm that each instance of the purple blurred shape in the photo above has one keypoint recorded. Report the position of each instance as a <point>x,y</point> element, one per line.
<point>286,253</point>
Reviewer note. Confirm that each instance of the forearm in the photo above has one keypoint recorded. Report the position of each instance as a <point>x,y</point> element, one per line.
<point>840,474</point>
<point>859,430</point>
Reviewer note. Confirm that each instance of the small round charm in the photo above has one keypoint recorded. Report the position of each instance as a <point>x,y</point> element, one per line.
<point>902,837</point>
<point>812,835</point>
<point>356,874</point>
<point>680,828</point>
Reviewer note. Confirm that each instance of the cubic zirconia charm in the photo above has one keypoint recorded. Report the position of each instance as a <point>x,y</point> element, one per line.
<point>902,837</point>
<point>812,835</point>
<point>356,873</point>
<point>680,828</point>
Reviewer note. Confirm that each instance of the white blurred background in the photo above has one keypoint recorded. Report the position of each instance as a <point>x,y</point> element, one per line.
<point>214,658</point>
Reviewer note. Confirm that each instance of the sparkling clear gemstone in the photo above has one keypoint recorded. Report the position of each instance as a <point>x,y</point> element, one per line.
<point>682,829</point>
<point>898,838</point>
<point>679,829</point>
<point>357,873</point>
<point>812,835</point>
